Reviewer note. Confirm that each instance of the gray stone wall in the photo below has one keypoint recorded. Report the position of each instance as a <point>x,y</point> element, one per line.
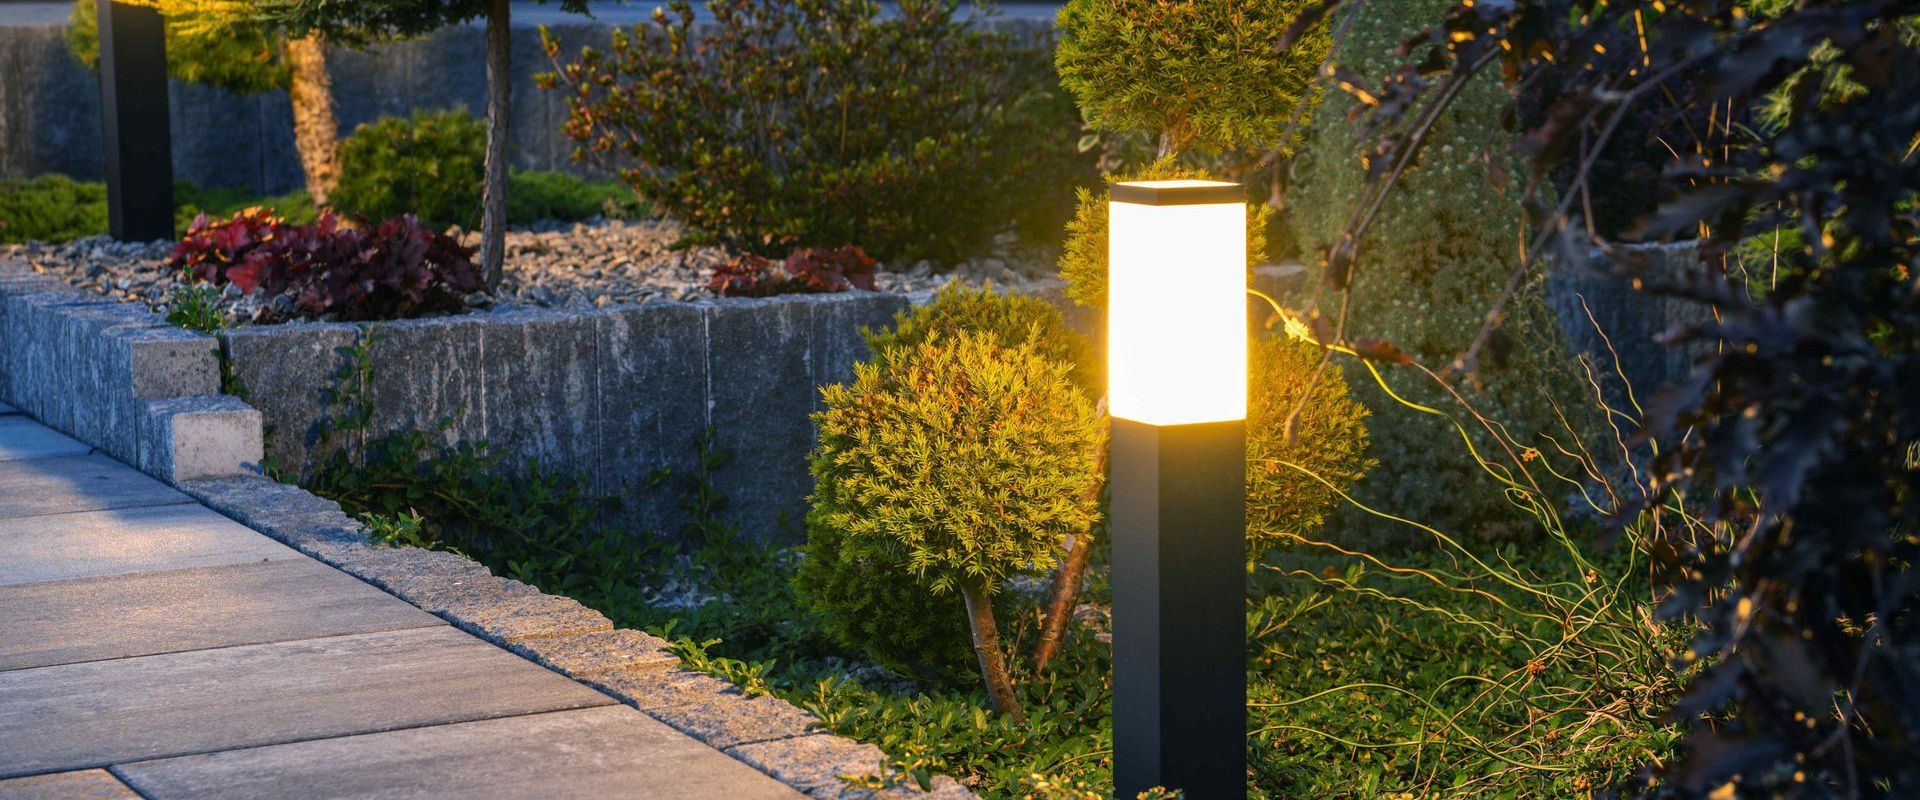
<point>613,394</point>
<point>50,105</point>
<point>1624,322</point>
<point>120,378</point>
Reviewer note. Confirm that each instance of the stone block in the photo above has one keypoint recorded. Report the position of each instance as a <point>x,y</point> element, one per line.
<point>201,437</point>
<point>813,764</point>
<point>431,579</point>
<point>290,373</point>
<point>653,405</point>
<point>761,355</point>
<point>541,384</point>
<point>520,619</point>
<point>727,719</point>
<point>1603,319</point>
<point>601,652</point>
<point>427,372</point>
<point>171,362</point>
<point>650,689</point>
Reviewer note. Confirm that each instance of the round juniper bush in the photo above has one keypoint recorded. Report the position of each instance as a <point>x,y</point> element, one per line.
<point>1011,319</point>
<point>1201,74</point>
<point>953,466</point>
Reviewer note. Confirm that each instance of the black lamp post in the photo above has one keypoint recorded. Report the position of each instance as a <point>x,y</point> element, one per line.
<point>133,122</point>
<point>1177,391</point>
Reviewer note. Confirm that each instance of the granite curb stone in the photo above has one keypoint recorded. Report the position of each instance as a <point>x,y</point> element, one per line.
<point>817,765</point>
<point>587,654</point>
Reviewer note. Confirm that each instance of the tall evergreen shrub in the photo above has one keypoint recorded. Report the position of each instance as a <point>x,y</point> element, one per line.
<point>1429,270</point>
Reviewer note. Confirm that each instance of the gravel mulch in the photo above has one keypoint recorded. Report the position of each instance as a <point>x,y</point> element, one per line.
<point>552,265</point>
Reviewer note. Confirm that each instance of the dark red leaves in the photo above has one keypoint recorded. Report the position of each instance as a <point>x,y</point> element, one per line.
<point>392,270</point>
<point>805,271</point>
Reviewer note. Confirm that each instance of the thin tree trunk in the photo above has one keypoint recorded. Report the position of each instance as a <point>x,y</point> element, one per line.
<point>1066,579</point>
<point>493,219</point>
<point>986,644</point>
<point>316,132</point>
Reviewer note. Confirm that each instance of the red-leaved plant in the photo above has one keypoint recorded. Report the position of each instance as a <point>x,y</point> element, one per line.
<point>805,271</point>
<point>396,269</point>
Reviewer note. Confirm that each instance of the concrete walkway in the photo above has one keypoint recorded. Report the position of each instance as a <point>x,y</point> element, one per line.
<point>151,647</point>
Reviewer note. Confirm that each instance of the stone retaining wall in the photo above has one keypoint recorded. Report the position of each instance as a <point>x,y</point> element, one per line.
<point>614,394</point>
<point>50,104</point>
<point>120,378</point>
<point>1633,322</point>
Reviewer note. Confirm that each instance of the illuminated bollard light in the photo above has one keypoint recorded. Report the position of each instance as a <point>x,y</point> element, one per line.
<point>1177,392</point>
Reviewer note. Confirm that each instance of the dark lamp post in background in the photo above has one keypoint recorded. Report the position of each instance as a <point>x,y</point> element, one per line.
<point>133,122</point>
<point>1177,391</point>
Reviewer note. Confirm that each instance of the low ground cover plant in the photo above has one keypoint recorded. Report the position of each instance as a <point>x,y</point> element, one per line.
<point>803,123</point>
<point>395,269</point>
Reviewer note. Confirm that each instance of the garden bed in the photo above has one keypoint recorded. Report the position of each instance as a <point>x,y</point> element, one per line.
<point>593,264</point>
<point>607,355</point>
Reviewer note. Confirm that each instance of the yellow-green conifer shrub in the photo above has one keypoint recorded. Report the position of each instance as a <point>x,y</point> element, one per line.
<point>1083,259</point>
<point>1011,319</point>
<point>1292,486</point>
<point>1428,271</point>
<point>1200,74</point>
<point>961,462</point>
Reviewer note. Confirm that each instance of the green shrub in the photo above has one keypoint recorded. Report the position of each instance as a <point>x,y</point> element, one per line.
<point>960,461</point>
<point>869,600</point>
<point>1083,259</point>
<point>533,196</point>
<point>1011,319</point>
<point>428,165</point>
<point>1429,270</point>
<point>1292,486</point>
<point>808,123</point>
<point>1200,74</point>
<point>51,208</point>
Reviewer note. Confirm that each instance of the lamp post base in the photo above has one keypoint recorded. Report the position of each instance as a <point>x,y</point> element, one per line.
<point>1179,608</point>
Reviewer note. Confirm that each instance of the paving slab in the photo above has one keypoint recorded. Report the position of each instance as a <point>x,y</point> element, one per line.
<point>91,544</point>
<point>66,622</point>
<point>22,438</point>
<point>590,753</point>
<point>86,784</point>
<point>98,713</point>
<point>77,483</point>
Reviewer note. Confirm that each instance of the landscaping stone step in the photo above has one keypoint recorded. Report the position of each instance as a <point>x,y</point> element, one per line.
<point>98,713</point>
<point>66,622</point>
<point>86,784</point>
<point>23,438</point>
<point>589,753</point>
<point>76,483</point>
<point>91,544</point>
